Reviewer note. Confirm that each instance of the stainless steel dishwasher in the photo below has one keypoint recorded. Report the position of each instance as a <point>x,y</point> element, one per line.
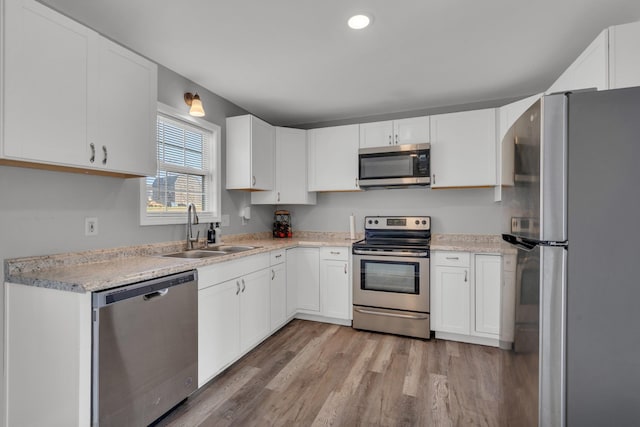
<point>145,349</point>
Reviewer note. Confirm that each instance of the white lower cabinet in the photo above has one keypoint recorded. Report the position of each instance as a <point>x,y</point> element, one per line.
<point>279,313</point>
<point>335,282</point>
<point>218,329</point>
<point>303,269</point>
<point>451,297</point>
<point>233,311</point>
<point>466,300</point>
<point>487,294</point>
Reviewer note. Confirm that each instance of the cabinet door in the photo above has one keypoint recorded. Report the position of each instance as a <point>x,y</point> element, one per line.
<point>292,275</point>
<point>278,296</point>
<point>463,147</point>
<point>218,328</point>
<point>589,70</point>
<point>262,155</point>
<point>290,171</point>
<point>123,98</point>
<point>487,295</point>
<point>376,134</point>
<point>250,153</point>
<point>414,130</point>
<point>624,55</point>
<point>45,85</point>
<point>335,286</point>
<point>451,300</point>
<point>254,308</point>
<point>333,158</point>
<point>305,268</point>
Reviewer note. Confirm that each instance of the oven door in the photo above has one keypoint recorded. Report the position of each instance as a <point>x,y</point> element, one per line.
<point>400,283</point>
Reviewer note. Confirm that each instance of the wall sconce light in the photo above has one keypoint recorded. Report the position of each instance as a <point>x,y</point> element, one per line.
<point>193,101</point>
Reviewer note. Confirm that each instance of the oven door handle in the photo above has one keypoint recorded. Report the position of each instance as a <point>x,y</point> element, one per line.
<point>385,313</point>
<point>389,253</point>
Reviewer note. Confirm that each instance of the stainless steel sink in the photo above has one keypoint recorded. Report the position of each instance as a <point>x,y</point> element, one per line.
<point>211,251</point>
<point>196,254</point>
<point>229,249</point>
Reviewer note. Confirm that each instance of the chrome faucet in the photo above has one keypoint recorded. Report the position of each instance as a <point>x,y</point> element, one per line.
<point>192,219</point>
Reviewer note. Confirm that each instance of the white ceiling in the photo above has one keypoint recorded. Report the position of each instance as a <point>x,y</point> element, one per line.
<point>296,61</point>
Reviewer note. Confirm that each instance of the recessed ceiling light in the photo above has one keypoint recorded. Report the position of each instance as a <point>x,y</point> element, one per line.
<point>358,22</point>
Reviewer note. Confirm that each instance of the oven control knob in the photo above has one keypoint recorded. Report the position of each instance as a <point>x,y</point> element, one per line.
<point>424,222</point>
<point>417,222</point>
<point>376,221</point>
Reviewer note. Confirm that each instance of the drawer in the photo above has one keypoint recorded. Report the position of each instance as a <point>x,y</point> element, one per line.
<point>334,252</point>
<point>452,259</point>
<point>227,270</point>
<point>277,257</point>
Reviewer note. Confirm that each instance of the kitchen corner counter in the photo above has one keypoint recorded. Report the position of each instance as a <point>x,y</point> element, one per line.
<point>477,243</point>
<point>98,270</point>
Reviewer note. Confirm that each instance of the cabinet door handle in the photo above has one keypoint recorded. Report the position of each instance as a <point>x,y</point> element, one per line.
<point>356,182</point>
<point>104,150</point>
<point>237,287</point>
<point>396,139</point>
<point>465,276</point>
<point>390,143</point>
<point>345,269</point>
<point>253,181</point>
<point>434,178</point>
<point>93,153</point>
<point>243,285</point>
<point>278,196</point>
<point>273,274</point>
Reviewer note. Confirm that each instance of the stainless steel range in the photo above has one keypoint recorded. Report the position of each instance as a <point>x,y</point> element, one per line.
<point>391,276</point>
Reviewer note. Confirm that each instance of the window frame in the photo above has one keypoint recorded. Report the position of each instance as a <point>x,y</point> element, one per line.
<point>215,187</point>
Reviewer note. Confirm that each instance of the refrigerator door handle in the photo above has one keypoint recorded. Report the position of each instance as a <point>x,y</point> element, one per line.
<point>529,244</point>
<point>520,242</point>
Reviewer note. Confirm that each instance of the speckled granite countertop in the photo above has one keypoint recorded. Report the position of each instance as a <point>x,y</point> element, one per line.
<point>98,270</point>
<point>478,243</point>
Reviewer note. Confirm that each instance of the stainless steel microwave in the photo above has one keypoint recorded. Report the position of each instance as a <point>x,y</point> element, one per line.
<point>395,166</point>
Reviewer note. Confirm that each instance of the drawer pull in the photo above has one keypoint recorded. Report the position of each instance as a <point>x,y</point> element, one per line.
<point>334,253</point>
<point>453,258</point>
<point>278,256</point>
<point>383,313</point>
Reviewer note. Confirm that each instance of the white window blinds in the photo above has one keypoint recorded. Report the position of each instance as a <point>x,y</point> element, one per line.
<point>184,168</point>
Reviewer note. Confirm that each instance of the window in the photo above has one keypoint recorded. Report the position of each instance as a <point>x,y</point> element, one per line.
<point>188,151</point>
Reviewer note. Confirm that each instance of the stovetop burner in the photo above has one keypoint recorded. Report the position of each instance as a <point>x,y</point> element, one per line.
<point>391,235</point>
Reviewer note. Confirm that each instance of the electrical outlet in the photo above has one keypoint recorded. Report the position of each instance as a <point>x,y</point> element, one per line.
<point>91,226</point>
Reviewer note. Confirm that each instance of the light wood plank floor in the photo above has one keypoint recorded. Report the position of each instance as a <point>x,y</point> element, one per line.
<point>316,374</point>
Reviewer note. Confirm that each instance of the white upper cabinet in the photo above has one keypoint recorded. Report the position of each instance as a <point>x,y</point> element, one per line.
<point>589,70</point>
<point>414,130</point>
<point>463,149</point>
<point>124,132</point>
<point>250,153</point>
<point>67,96</point>
<point>624,55</point>
<point>333,158</point>
<point>290,171</point>
<point>46,85</point>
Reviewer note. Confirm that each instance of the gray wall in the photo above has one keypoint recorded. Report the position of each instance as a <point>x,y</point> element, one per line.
<point>451,211</point>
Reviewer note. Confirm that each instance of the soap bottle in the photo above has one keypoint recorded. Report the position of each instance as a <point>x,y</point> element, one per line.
<point>211,234</point>
<point>217,233</point>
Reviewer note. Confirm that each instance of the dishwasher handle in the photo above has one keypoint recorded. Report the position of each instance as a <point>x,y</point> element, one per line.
<point>156,294</point>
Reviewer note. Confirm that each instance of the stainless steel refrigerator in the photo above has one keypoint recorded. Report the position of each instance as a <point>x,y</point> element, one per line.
<point>573,209</point>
